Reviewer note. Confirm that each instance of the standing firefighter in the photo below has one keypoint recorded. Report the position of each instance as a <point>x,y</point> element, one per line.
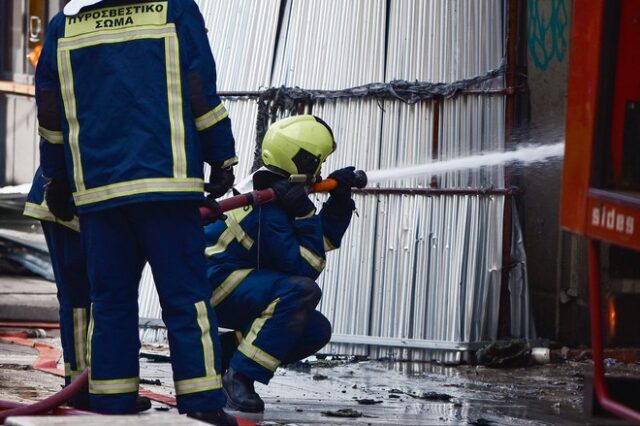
<point>263,261</point>
<point>128,111</point>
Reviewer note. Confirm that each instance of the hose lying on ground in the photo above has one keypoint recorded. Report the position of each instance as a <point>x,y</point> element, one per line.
<point>50,403</point>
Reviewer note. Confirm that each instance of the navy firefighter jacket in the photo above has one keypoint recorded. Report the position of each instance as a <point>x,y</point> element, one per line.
<point>266,237</point>
<point>128,108</point>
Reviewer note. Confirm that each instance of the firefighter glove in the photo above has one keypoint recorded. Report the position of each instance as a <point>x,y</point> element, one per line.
<point>345,178</point>
<point>293,199</point>
<point>220,181</point>
<point>57,193</point>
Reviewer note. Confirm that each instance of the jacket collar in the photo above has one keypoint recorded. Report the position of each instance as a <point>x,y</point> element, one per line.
<point>75,6</point>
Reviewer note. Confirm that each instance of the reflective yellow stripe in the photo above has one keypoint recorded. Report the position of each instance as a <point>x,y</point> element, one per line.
<point>314,260</point>
<point>41,212</point>
<point>115,386</point>
<point>79,337</point>
<point>72,374</point>
<point>234,230</point>
<point>90,335</point>
<point>174,90</point>
<point>239,214</point>
<point>327,244</point>
<point>221,245</point>
<point>199,384</point>
<point>211,118</point>
<point>308,215</point>
<point>230,162</point>
<point>258,355</point>
<point>116,17</point>
<point>69,101</point>
<point>233,222</point>
<point>253,352</point>
<point>174,93</point>
<point>51,136</point>
<point>140,186</point>
<point>228,285</point>
<point>107,387</point>
<point>116,36</point>
<point>205,338</point>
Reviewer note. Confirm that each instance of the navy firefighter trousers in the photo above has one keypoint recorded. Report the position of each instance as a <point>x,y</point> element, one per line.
<point>276,314</point>
<point>118,241</point>
<point>69,268</point>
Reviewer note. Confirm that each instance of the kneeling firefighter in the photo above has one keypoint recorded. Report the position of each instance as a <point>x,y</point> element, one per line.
<point>263,261</point>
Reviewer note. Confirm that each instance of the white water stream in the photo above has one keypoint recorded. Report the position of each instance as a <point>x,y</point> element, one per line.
<point>524,155</point>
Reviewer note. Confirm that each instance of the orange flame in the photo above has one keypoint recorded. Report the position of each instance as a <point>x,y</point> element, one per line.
<point>34,55</point>
<point>612,317</point>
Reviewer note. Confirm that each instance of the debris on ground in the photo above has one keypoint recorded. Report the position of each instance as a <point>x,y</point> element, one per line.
<point>432,396</point>
<point>367,401</point>
<point>481,422</point>
<point>320,377</point>
<point>505,354</point>
<point>154,357</point>
<point>324,361</point>
<point>343,412</point>
<point>24,252</point>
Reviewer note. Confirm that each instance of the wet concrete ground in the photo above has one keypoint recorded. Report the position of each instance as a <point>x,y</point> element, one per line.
<point>424,394</point>
<point>378,393</point>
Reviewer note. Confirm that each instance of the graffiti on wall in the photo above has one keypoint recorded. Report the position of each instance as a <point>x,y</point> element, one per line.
<point>547,32</point>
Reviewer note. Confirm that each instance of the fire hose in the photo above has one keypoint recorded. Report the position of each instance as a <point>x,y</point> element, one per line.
<point>50,403</point>
<point>43,363</point>
<point>259,197</point>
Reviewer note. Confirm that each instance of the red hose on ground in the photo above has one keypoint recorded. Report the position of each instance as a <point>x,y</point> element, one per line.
<point>50,403</point>
<point>43,325</point>
<point>60,411</point>
<point>47,360</point>
<point>48,357</point>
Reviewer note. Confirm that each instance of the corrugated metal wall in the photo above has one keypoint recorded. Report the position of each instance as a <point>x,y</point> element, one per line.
<point>415,271</point>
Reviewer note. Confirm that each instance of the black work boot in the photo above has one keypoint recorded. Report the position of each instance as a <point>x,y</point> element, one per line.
<point>217,417</point>
<point>240,393</point>
<point>142,404</point>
